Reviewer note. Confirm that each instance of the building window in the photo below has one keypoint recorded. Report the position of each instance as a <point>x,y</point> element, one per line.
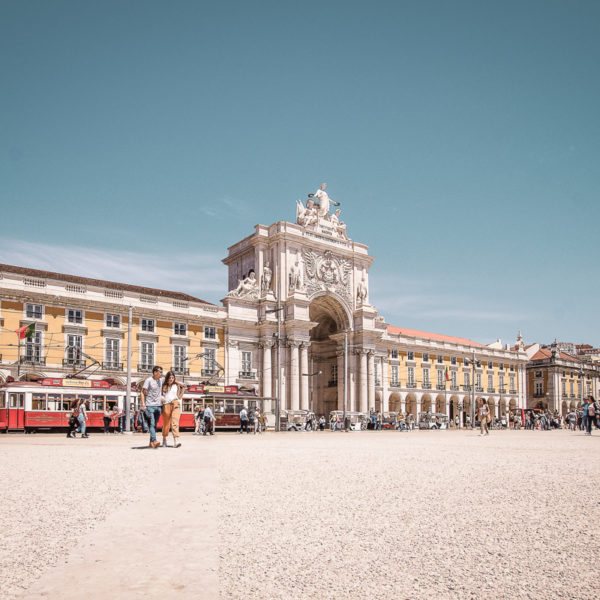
<point>112,353</point>
<point>478,382</point>
<point>426,381</point>
<point>512,384</point>
<point>179,328</point>
<point>210,333</point>
<point>333,379</point>
<point>74,346</point>
<point>467,380</point>
<point>512,367</point>
<point>147,354</point>
<point>539,374</point>
<point>440,359</point>
<point>179,353</point>
<point>453,360</point>
<point>453,380</point>
<point>113,320</point>
<point>490,383</point>
<point>425,357</point>
<point>466,362</point>
<point>411,376</point>
<point>501,366</point>
<point>501,383</point>
<point>247,361</point>
<point>539,388</point>
<point>564,387</point>
<point>377,378</point>
<point>33,348</point>
<point>210,359</point>
<point>393,353</point>
<point>490,365</point>
<point>410,356</point>
<point>33,311</point>
<point>571,389</point>
<point>394,376</point>
<point>75,316</point>
<point>440,378</point>
<point>148,325</point>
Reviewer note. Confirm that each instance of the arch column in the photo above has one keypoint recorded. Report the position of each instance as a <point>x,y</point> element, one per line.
<point>305,382</point>
<point>267,373</point>
<point>340,379</point>
<point>293,371</point>
<point>371,379</point>
<point>363,388</point>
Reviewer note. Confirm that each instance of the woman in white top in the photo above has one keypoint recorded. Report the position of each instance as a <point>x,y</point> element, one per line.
<point>172,391</point>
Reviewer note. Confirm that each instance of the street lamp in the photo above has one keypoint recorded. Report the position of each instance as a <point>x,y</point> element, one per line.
<point>278,386</point>
<point>311,375</point>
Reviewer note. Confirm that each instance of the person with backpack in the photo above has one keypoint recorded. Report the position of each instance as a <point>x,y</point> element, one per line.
<point>244,420</point>
<point>82,418</point>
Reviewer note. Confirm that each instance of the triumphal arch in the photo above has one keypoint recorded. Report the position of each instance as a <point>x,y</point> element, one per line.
<point>300,292</point>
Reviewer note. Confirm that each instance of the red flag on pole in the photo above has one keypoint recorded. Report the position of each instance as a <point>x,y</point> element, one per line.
<point>447,375</point>
<point>27,331</point>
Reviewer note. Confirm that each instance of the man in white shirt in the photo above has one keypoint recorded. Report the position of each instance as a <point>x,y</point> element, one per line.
<point>208,421</point>
<point>151,402</point>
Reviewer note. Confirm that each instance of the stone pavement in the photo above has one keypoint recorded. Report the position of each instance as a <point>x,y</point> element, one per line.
<point>162,546</point>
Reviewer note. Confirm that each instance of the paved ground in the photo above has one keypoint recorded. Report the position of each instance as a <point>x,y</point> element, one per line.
<point>306,515</point>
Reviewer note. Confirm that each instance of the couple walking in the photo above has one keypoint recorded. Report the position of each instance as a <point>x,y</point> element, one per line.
<point>162,396</point>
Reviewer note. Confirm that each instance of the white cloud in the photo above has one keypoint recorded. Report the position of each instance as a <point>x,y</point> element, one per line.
<point>201,275</point>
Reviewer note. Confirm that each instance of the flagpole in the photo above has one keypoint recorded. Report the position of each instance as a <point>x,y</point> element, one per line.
<point>18,355</point>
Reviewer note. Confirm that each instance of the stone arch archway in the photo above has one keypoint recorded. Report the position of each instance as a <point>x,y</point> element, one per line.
<point>440,404</point>
<point>426,403</point>
<point>330,317</point>
<point>411,405</point>
<point>31,376</point>
<point>396,402</point>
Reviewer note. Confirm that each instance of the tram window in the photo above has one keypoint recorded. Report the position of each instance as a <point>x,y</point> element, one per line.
<point>239,404</point>
<point>229,406</point>
<point>97,403</point>
<point>2,400</point>
<point>252,404</point>
<point>69,401</point>
<point>38,402</point>
<point>111,402</point>
<point>186,405</point>
<point>54,402</point>
<point>15,401</point>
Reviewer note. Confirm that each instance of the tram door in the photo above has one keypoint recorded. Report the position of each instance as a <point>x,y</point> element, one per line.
<point>16,410</point>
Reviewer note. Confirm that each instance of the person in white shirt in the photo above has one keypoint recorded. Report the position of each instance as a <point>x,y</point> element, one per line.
<point>150,402</point>
<point>209,421</point>
<point>172,391</point>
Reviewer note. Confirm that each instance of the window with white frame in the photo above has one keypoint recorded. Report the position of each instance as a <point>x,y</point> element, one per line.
<point>74,347</point>
<point>34,311</point>
<point>466,362</point>
<point>112,352</point>
<point>579,388</point>
<point>453,381</point>
<point>490,365</point>
<point>393,353</point>
<point>410,356</point>
<point>440,359</point>
<point>571,391</point>
<point>467,380</point>
<point>147,354</point>
<point>210,333</point>
<point>148,325</point>
<point>333,379</point>
<point>539,388</point>
<point>247,361</point>
<point>179,328</point>
<point>179,354</point>
<point>440,378</point>
<point>478,380</point>
<point>75,316</point>
<point>425,357</point>
<point>33,348</point>
<point>210,359</point>
<point>512,383</point>
<point>411,376</point>
<point>113,320</point>
<point>426,381</point>
<point>377,378</point>
<point>501,382</point>
<point>453,360</point>
<point>501,367</point>
<point>394,375</point>
<point>564,387</point>
<point>490,382</point>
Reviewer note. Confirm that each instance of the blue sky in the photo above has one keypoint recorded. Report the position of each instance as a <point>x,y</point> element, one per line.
<point>139,139</point>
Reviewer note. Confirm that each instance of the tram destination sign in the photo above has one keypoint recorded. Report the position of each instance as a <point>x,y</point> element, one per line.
<point>214,389</point>
<point>80,383</point>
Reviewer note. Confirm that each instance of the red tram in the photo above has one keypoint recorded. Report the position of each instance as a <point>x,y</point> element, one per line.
<point>45,405</point>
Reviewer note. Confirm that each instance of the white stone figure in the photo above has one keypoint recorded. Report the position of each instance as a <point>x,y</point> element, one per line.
<point>323,200</point>
<point>265,284</point>
<point>361,291</point>
<point>246,287</point>
<point>295,277</point>
<point>306,216</point>
<point>339,226</point>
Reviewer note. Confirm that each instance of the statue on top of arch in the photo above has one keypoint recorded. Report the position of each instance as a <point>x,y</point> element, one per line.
<point>315,215</point>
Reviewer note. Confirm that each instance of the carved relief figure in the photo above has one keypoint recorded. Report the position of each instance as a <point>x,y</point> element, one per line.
<point>246,287</point>
<point>295,278</point>
<point>327,272</point>
<point>323,201</point>
<point>339,226</point>
<point>361,292</point>
<point>265,284</point>
<point>306,216</point>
